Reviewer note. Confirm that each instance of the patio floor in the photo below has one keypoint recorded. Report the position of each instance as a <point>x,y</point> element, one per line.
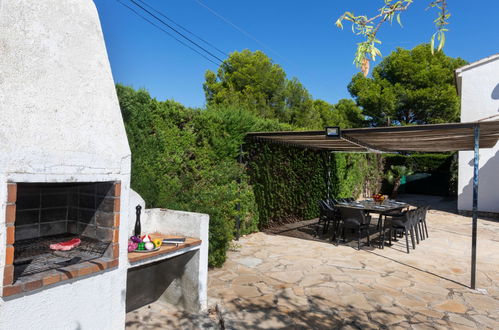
<point>274,282</point>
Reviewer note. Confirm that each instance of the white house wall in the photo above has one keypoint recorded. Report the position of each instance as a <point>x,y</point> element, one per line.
<point>480,99</point>
<point>58,105</point>
<point>60,122</point>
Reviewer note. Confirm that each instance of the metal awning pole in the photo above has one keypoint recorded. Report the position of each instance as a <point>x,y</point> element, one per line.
<point>326,158</point>
<point>238,205</point>
<point>476,160</point>
<point>328,175</point>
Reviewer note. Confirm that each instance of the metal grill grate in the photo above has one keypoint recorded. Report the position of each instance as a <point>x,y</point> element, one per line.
<point>34,255</point>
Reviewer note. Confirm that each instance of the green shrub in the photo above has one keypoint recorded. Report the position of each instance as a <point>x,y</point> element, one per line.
<point>186,159</point>
<point>421,163</point>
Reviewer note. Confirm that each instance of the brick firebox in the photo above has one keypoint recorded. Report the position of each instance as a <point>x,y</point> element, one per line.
<point>46,211</point>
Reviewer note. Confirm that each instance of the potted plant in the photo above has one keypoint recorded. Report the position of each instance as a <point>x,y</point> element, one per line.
<point>394,176</point>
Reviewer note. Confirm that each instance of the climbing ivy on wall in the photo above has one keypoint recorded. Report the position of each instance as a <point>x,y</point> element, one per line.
<point>288,182</point>
<point>277,174</point>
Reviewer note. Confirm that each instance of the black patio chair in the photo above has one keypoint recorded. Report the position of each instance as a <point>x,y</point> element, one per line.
<point>396,213</point>
<point>418,230</point>
<point>405,223</point>
<point>327,214</point>
<point>354,219</point>
<point>421,226</point>
<point>422,219</point>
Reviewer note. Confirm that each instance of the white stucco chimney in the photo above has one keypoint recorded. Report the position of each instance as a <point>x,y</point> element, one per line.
<point>60,121</point>
<point>58,106</point>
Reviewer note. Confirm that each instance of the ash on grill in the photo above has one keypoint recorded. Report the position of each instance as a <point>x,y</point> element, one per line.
<point>33,256</point>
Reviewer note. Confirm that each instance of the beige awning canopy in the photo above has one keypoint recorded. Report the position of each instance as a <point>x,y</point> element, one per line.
<point>423,138</point>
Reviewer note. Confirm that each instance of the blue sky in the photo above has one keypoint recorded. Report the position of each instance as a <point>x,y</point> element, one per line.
<point>298,35</point>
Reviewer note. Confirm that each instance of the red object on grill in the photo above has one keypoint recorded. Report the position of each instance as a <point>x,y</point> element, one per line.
<point>66,246</point>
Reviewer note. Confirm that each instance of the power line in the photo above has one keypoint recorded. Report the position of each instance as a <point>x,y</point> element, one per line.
<point>176,31</point>
<point>165,31</point>
<point>247,34</point>
<point>180,41</point>
<point>183,28</point>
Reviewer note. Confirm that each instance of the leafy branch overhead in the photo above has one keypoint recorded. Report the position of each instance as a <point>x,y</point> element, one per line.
<point>368,27</point>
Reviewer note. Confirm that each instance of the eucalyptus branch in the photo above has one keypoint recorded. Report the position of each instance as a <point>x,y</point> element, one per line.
<point>440,24</point>
<point>369,27</point>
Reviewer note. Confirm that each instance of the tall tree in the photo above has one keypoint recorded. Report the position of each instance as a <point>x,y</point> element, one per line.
<point>300,109</point>
<point>251,81</point>
<point>248,79</point>
<point>347,114</point>
<point>409,87</point>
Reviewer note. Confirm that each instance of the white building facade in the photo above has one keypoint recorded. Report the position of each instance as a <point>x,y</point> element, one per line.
<point>478,86</point>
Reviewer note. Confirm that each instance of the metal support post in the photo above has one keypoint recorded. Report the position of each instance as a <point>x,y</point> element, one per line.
<point>476,160</point>
<point>326,157</point>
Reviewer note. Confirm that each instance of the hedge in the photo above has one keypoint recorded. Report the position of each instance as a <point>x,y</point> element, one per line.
<point>186,159</point>
<point>288,182</point>
<point>434,174</point>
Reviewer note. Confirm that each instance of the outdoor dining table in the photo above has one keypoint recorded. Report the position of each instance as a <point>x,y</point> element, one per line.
<point>383,209</point>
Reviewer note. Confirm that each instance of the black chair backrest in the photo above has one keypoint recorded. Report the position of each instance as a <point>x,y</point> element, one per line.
<point>420,212</point>
<point>417,213</point>
<point>326,205</point>
<point>403,220</point>
<point>353,216</point>
<point>326,210</point>
<point>424,210</point>
<point>332,201</point>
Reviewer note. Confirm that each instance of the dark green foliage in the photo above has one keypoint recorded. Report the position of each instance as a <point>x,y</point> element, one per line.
<point>252,81</point>
<point>421,163</point>
<point>289,182</point>
<point>409,87</point>
<point>185,159</point>
<point>442,179</point>
<point>248,79</point>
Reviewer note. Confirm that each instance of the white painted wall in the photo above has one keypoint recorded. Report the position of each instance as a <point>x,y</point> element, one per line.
<point>180,223</point>
<point>479,85</point>
<point>56,89</point>
<point>59,122</point>
<point>185,224</point>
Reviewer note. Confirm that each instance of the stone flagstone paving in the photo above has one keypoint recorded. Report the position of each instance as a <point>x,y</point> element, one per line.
<point>278,282</point>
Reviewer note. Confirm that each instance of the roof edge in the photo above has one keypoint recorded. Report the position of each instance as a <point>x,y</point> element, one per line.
<point>459,71</point>
<point>476,63</point>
